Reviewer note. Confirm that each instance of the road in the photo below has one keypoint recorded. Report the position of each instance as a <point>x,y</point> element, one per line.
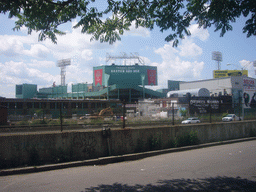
<point>229,167</point>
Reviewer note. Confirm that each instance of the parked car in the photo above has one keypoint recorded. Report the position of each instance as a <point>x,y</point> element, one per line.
<point>231,117</point>
<point>191,120</point>
<point>86,116</point>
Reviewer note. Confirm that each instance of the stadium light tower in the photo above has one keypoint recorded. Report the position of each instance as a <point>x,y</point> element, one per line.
<point>217,56</point>
<point>124,56</point>
<point>62,64</point>
<point>254,65</point>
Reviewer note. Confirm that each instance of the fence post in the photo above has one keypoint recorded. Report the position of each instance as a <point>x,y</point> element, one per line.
<point>124,114</point>
<point>210,113</point>
<point>61,128</point>
<point>173,113</point>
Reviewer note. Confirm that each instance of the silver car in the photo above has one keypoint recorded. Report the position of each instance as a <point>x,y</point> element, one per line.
<point>191,120</point>
<point>231,117</point>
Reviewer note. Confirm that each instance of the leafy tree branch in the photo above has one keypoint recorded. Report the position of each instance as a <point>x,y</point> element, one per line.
<point>174,16</point>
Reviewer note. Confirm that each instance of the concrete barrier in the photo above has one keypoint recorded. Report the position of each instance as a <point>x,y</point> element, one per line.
<point>42,148</point>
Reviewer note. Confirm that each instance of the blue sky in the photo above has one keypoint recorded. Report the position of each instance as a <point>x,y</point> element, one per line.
<point>25,60</point>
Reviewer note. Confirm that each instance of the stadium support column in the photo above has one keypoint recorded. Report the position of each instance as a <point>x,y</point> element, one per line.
<point>143,84</point>
<point>130,95</point>
<point>107,79</point>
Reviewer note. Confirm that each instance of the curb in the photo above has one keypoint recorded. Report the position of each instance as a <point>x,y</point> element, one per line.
<point>114,159</point>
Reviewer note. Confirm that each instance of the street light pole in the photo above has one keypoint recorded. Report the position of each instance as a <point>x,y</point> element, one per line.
<point>240,94</point>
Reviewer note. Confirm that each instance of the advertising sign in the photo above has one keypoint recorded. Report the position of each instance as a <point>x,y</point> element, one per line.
<point>124,69</point>
<point>98,77</point>
<point>228,73</point>
<point>249,94</point>
<point>151,76</point>
<point>201,105</point>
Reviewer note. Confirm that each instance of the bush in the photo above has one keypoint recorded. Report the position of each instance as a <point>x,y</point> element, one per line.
<point>38,122</point>
<point>139,146</point>
<point>187,139</point>
<point>70,122</point>
<point>154,143</point>
<point>252,133</point>
<point>34,157</point>
<point>171,143</point>
<point>22,123</point>
<point>54,122</point>
<point>60,155</point>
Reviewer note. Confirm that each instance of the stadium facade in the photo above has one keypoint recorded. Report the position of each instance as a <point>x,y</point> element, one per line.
<point>125,83</point>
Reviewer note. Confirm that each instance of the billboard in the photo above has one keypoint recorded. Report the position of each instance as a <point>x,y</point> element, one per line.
<point>201,105</point>
<point>151,76</point>
<point>125,76</point>
<point>228,73</point>
<point>249,93</point>
<point>98,77</point>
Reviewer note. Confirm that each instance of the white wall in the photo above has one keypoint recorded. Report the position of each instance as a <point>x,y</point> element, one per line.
<point>213,85</point>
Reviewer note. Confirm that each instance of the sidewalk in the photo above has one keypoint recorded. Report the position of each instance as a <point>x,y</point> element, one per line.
<point>113,159</point>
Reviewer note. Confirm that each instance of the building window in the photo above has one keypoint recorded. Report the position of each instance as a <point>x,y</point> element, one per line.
<point>65,105</point>
<point>52,105</point>
<point>79,105</point>
<point>11,105</point>
<point>36,105</point>
<point>19,105</point>
<point>29,105</point>
<point>104,105</point>
<point>74,105</point>
<point>43,105</point>
<point>85,105</point>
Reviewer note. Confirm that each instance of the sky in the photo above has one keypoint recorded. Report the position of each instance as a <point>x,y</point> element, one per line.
<point>23,59</point>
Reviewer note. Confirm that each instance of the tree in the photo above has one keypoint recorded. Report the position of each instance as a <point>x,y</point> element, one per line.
<point>108,25</point>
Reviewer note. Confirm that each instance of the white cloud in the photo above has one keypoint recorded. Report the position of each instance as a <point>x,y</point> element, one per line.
<point>37,50</point>
<point>180,63</point>
<point>174,66</point>
<point>189,48</point>
<point>248,65</point>
<point>10,46</point>
<point>42,64</point>
<point>87,54</point>
<point>140,31</point>
<point>13,46</point>
<point>18,73</point>
<point>200,33</point>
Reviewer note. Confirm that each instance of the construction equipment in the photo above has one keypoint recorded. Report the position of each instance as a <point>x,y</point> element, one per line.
<point>104,113</point>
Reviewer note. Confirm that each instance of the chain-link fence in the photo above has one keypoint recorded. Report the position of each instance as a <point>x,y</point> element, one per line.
<point>144,113</point>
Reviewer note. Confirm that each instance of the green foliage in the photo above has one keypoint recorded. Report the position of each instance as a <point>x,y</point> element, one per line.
<point>154,143</point>
<point>54,122</point>
<point>34,157</point>
<point>139,146</point>
<point>38,122</point>
<point>71,122</point>
<point>183,112</point>
<point>252,133</point>
<point>44,16</point>
<point>96,121</point>
<point>60,155</point>
<point>224,114</point>
<point>22,123</point>
<point>171,143</point>
<point>187,139</point>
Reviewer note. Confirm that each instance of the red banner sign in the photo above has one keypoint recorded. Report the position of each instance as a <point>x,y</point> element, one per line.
<point>151,76</point>
<point>98,77</point>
